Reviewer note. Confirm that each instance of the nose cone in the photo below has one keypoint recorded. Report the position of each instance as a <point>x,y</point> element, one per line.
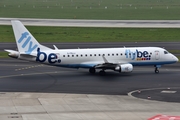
<point>176,59</point>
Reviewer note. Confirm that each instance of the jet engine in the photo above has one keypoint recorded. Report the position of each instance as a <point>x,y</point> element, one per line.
<point>124,68</point>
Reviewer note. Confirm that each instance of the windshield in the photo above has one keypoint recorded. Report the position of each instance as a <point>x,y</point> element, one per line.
<point>166,52</point>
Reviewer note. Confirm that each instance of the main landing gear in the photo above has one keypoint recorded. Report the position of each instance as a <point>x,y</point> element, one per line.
<point>93,71</point>
<point>102,72</point>
<point>157,68</point>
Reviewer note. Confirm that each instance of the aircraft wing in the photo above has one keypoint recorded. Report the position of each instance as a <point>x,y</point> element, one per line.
<point>120,67</point>
<point>106,66</point>
<point>113,65</point>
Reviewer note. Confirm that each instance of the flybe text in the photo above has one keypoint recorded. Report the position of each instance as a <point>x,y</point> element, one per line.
<point>137,55</point>
<point>27,43</point>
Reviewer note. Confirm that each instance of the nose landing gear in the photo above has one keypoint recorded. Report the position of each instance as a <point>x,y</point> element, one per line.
<point>93,71</point>
<point>157,68</point>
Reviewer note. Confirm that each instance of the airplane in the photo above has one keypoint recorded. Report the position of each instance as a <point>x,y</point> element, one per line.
<point>117,59</point>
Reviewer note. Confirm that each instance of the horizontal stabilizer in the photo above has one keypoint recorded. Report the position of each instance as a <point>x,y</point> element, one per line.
<point>12,53</point>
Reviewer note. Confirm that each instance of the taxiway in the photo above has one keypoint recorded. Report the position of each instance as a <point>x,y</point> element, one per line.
<point>35,91</point>
<point>166,45</point>
<point>95,23</point>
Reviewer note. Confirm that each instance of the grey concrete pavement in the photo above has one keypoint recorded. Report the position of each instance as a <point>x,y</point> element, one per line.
<point>59,106</point>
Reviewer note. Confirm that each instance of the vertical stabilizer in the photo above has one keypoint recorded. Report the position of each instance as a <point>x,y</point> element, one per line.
<point>26,43</point>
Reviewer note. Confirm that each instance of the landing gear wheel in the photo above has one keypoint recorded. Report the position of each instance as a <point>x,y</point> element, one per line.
<point>102,72</point>
<point>92,70</point>
<point>156,70</point>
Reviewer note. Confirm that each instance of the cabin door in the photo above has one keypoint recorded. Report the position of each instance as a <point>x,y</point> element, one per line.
<point>157,54</point>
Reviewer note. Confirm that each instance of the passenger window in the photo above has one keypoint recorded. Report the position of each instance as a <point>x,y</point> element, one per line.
<point>94,54</point>
<point>76,55</point>
<point>63,55</point>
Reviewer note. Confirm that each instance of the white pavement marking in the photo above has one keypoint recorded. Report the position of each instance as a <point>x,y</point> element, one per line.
<point>168,91</point>
<point>139,91</point>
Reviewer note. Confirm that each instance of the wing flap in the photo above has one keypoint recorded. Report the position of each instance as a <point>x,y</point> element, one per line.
<point>106,66</point>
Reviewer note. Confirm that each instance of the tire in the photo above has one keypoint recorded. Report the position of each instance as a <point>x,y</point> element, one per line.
<point>102,72</point>
<point>156,71</point>
<point>92,70</point>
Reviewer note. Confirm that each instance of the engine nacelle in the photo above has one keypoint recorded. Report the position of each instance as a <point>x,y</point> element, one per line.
<point>124,68</point>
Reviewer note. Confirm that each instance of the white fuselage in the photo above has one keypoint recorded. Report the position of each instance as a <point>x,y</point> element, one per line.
<point>87,58</point>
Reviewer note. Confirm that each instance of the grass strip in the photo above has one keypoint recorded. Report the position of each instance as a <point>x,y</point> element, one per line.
<point>78,34</point>
<point>174,51</point>
<point>4,55</point>
<point>92,9</point>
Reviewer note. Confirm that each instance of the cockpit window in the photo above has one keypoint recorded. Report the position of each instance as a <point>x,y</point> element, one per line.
<point>165,52</point>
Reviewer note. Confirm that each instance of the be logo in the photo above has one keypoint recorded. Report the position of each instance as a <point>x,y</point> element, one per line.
<point>51,58</point>
<point>138,55</point>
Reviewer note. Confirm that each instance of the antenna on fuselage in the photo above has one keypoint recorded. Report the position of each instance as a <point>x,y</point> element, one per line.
<point>105,60</point>
<point>55,47</point>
